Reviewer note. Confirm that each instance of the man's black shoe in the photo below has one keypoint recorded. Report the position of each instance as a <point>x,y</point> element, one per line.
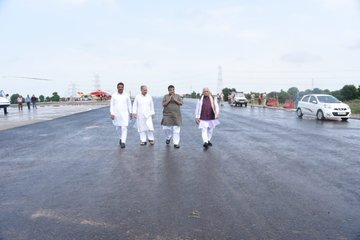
<point>122,145</point>
<point>168,141</point>
<point>176,146</point>
<point>206,145</point>
<point>209,144</point>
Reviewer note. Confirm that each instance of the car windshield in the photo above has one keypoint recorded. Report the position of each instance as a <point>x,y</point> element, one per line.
<point>239,95</point>
<point>328,99</point>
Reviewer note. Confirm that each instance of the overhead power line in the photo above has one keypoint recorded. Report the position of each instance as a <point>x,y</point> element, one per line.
<point>32,78</point>
<point>296,71</point>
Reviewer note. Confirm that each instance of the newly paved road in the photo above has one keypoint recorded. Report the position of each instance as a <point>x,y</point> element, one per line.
<point>269,175</point>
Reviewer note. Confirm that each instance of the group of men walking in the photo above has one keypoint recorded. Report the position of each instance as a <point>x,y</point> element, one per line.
<point>28,100</point>
<point>121,110</point>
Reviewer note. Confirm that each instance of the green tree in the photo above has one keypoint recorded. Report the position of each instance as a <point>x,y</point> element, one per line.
<point>55,97</point>
<point>349,92</point>
<point>326,91</point>
<point>337,94</point>
<point>293,91</point>
<point>317,91</point>
<point>47,99</point>
<point>227,92</point>
<point>307,91</point>
<point>193,94</point>
<point>272,95</point>
<point>13,98</point>
<point>283,96</point>
<point>41,98</point>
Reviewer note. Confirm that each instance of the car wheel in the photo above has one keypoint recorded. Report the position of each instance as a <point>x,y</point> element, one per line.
<point>344,119</point>
<point>299,112</point>
<point>320,115</point>
<point>245,104</point>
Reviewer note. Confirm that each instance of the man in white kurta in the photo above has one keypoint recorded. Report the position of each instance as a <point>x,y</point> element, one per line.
<point>143,111</point>
<point>120,110</point>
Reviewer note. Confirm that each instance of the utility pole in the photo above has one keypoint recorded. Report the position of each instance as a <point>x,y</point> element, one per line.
<point>220,87</point>
<point>220,81</point>
<point>97,82</point>
<point>72,91</point>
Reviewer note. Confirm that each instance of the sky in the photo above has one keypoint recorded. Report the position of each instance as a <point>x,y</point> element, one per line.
<point>63,46</point>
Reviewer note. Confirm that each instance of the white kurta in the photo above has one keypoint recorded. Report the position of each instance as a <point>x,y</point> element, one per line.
<point>120,106</point>
<point>144,108</point>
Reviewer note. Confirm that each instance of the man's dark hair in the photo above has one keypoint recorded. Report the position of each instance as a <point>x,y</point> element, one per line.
<point>120,83</point>
<point>170,86</point>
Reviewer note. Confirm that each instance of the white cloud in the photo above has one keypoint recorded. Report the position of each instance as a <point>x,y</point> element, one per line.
<point>251,34</point>
<point>215,20</point>
<point>300,57</point>
<point>221,12</point>
<point>75,2</point>
<point>60,2</point>
<point>341,5</point>
<point>179,42</point>
<point>355,46</point>
<point>217,28</point>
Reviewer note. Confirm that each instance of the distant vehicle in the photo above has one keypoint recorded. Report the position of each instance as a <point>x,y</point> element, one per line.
<point>323,106</point>
<point>87,98</point>
<point>238,99</point>
<point>100,95</point>
<point>4,101</point>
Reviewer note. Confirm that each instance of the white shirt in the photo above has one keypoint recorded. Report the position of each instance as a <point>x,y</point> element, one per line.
<point>144,108</point>
<point>120,106</point>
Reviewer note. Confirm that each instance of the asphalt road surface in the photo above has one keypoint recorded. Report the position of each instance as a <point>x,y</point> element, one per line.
<point>268,175</point>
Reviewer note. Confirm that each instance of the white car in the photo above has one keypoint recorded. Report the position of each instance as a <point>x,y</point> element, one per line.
<point>4,101</point>
<point>323,106</point>
<point>238,99</point>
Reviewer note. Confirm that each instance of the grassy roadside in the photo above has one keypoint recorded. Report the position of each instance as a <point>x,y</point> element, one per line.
<point>354,105</point>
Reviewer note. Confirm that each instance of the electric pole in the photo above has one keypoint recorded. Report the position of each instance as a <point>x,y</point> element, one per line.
<point>219,82</point>
<point>97,82</point>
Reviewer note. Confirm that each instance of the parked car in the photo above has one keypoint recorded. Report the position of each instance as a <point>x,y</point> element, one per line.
<point>323,106</point>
